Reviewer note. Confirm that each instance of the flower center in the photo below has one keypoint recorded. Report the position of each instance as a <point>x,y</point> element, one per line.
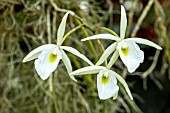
<point>125,51</point>
<point>105,79</point>
<point>52,58</point>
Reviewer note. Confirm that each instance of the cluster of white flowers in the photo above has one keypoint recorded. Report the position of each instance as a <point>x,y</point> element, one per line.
<point>48,57</point>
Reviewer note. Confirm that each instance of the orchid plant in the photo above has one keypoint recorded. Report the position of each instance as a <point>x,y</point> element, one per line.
<point>48,56</point>
<point>129,51</point>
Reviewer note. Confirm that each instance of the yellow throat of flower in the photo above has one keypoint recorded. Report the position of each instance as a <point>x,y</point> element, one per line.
<point>52,58</point>
<point>125,51</point>
<point>105,79</point>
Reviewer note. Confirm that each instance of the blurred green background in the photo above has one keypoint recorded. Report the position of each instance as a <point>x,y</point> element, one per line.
<point>27,24</point>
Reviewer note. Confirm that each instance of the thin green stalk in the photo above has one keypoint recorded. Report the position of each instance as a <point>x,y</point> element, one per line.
<point>102,50</point>
<point>108,30</point>
<point>89,42</point>
<point>70,32</point>
<point>104,106</point>
<point>54,95</point>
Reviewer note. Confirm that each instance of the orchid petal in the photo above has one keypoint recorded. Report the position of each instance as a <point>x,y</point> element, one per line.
<point>123,82</point>
<point>115,96</point>
<point>106,84</point>
<point>47,62</point>
<point>77,53</point>
<point>67,64</point>
<point>145,42</point>
<point>61,29</point>
<point>123,23</point>
<point>102,36</point>
<point>131,55</point>
<point>106,53</point>
<point>88,70</point>
<point>36,52</point>
<point>113,59</point>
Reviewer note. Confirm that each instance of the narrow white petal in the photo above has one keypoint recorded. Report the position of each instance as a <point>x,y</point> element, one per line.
<point>107,86</point>
<point>67,64</point>
<point>77,53</point>
<point>36,52</point>
<point>61,29</point>
<point>115,96</point>
<point>145,42</point>
<point>106,53</point>
<point>132,56</point>
<point>123,82</point>
<point>113,59</point>
<point>123,23</point>
<point>102,36</point>
<point>88,70</point>
<point>44,65</point>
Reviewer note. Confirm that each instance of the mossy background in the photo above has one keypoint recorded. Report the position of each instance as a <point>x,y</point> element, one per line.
<point>27,24</point>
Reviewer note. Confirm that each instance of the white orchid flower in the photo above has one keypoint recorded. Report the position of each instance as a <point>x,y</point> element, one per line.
<point>106,81</point>
<point>48,56</point>
<point>129,51</point>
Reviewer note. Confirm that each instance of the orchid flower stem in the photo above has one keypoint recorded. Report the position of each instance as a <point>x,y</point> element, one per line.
<point>89,42</point>
<point>54,95</point>
<point>102,49</point>
<point>104,106</point>
<point>113,59</point>
<point>40,84</point>
<point>70,32</point>
<point>108,30</point>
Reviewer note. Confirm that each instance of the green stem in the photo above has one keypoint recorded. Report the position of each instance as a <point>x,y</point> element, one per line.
<point>89,42</point>
<point>108,30</point>
<point>54,95</point>
<point>104,106</point>
<point>70,32</point>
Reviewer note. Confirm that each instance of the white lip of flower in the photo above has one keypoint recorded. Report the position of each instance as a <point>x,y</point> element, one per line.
<point>48,56</point>
<point>129,51</point>
<point>106,81</point>
<point>106,84</point>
